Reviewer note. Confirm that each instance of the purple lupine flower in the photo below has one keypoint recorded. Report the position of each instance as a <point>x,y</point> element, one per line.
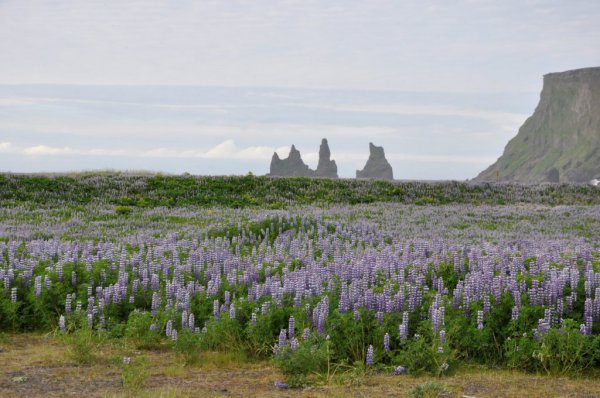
<point>154,282</point>
<point>62,324</point>
<point>305,334</point>
<point>232,312</point>
<point>216,309</point>
<point>294,343</point>
<point>403,328</point>
<point>386,342</point>
<point>184,319</point>
<point>174,334</point>
<point>479,320</point>
<point>442,336</point>
<point>282,338</point>
<point>38,286</point>
<point>588,317</point>
<point>280,385</point>
<point>515,313</point>
<point>68,304</point>
<point>321,322</point>
<point>155,303</point>
<point>291,327</point>
<point>369,360</point>
<point>486,304</point>
<point>379,317</point>
<point>399,370</point>
<point>191,322</point>
<point>543,327</point>
<point>169,328</point>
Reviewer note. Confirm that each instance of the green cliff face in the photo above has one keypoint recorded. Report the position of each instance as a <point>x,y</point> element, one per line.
<point>560,142</point>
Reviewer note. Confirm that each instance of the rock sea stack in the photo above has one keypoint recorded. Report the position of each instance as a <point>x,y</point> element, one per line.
<point>292,166</point>
<point>326,166</point>
<point>377,166</point>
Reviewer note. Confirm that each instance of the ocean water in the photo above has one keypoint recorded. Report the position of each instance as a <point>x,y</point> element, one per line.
<point>234,130</point>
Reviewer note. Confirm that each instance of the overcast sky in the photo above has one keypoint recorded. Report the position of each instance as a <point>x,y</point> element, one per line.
<point>442,85</point>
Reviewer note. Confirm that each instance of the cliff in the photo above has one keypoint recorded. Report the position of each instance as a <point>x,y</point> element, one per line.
<point>560,142</point>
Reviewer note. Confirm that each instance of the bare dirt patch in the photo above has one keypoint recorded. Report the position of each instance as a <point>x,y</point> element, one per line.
<point>38,366</point>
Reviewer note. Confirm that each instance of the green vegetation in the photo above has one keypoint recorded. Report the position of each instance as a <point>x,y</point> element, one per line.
<point>241,270</point>
<point>250,191</point>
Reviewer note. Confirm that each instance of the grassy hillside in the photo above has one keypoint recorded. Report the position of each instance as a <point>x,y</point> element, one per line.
<point>562,136</point>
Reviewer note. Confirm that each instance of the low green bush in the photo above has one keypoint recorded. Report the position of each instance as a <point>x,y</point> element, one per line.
<point>83,345</point>
<point>134,373</point>
<point>430,389</point>
<point>188,347</point>
<point>309,358</point>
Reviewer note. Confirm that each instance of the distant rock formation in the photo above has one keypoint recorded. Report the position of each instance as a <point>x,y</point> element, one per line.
<point>377,166</point>
<point>292,166</point>
<point>560,142</point>
<point>326,167</point>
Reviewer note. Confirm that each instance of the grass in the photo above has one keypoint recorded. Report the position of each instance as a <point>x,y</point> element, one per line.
<point>126,192</point>
<point>36,365</point>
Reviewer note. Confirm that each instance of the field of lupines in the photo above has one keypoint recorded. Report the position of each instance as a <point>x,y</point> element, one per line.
<point>402,285</point>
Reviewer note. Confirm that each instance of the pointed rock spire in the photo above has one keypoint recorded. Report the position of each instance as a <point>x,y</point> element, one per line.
<point>326,166</point>
<point>377,166</point>
<point>275,164</point>
<point>292,166</point>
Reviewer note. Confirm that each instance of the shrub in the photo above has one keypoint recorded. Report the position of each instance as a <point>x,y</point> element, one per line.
<point>223,335</point>
<point>83,345</point>
<point>425,354</point>
<point>519,353</point>
<point>308,358</point>
<point>431,389</point>
<point>140,331</point>
<point>188,347</point>
<point>566,351</point>
<point>123,210</point>
<point>134,372</point>
<point>9,313</point>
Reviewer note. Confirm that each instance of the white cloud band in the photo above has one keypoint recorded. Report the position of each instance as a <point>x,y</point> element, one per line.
<point>229,150</point>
